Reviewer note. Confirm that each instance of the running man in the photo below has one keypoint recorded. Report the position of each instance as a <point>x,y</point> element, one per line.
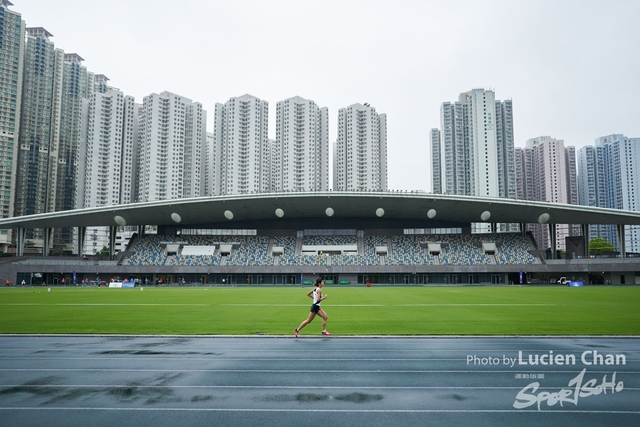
<point>316,295</point>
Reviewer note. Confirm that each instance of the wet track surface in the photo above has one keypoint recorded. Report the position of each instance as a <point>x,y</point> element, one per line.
<point>283,381</point>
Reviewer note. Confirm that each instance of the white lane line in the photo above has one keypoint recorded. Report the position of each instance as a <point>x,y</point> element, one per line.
<point>306,351</point>
<point>342,411</point>
<point>185,357</point>
<point>294,371</point>
<point>276,387</point>
<point>133,356</point>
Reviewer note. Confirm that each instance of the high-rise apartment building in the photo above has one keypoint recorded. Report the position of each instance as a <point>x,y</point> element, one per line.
<point>300,152</point>
<point>275,172</point>
<point>195,122</point>
<point>12,45</point>
<point>436,167</point>
<point>594,187</point>
<point>240,132</point>
<point>101,83</point>
<point>109,131</point>
<point>54,84</point>
<point>546,172</point>
<point>360,151</point>
<point>171,147</point>
<point>211,165</point>
<point>610,177</point>
<point>473,150</point>
<point>40,126</point>
<point>523,159</point>
<point>106,155</point>
<point>77,84</point>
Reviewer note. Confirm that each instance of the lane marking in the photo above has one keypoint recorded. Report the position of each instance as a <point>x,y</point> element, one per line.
<point>165,347</point>
<point>120,357</point>
<point>267,387</point>
<point>293,371</point>
<point>134,356</point>
<point>346,411</point>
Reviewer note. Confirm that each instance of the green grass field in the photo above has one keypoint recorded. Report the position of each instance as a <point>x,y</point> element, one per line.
<point>352,311</point>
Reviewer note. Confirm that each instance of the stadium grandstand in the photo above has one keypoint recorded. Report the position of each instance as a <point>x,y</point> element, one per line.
<point>348,238</point>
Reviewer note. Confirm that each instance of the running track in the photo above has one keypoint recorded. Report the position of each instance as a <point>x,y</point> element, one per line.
<point>283,381</point>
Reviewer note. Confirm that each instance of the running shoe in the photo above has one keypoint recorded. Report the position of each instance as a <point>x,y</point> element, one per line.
<point>326,333</point>
<point>296,332</point>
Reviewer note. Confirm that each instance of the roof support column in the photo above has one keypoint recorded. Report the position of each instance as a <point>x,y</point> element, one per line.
<point>46,241</point>
<point>523,229</point>
<point>622,240</point>
<point>552,239</point>
<point>21,233</point>
<point>82,231</point>
<point>112,241</point>
<point>587,238</point>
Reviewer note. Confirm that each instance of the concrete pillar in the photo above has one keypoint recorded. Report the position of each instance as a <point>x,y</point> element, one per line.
<point>21,234</point>
<point>82,232</point>
<point>552,239</point>
<point>622,240</point>
<point>112,241</point>
<point>46,243</point>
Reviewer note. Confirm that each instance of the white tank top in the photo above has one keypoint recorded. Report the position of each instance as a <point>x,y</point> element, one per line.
<point>316,301</point>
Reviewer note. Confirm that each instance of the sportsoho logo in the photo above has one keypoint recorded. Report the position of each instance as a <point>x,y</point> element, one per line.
<point>577,388</point>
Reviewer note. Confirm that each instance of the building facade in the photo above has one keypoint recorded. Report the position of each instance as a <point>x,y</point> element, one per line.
<point>211,165</point>
<point>473,150</point>
<point>54,84</point>
<point>473,153</point>
<point>360,150</point>
<point>106,155</point>
<point>171,144</point>
<point>610,178</point>
<point>40,126</point>
<point>241,137</point>
<point>300,152</point>
<point>77,84</point>
<point>12,44</point>
<point>109,132</point>
<point>436,170</point>
<point>546,172</point>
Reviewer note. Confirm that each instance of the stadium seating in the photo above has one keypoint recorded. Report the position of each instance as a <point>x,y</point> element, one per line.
<point>403,250</point>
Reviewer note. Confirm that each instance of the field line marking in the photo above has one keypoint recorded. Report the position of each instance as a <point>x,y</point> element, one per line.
<point>106,304</point>
<point>388,305</point>
<point>301,305</point>
<point>471,305</point>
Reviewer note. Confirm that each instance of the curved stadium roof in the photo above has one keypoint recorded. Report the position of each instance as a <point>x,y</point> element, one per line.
<point>309,209</point>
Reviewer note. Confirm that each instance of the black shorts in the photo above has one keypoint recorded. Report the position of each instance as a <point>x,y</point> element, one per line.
<point>315,308</point>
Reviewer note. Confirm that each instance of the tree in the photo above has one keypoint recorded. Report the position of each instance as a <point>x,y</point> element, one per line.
<point>600,246</point>
<point>104,251</point>
<point>57,250</point>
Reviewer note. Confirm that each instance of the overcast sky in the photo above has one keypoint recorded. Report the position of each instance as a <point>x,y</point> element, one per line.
<point>571,67</point>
